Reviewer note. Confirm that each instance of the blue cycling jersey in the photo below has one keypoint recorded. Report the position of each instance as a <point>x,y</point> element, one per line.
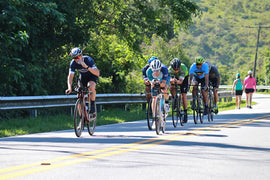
<point>200,73</point>
<point>164,74</point>
<point>144,71</point>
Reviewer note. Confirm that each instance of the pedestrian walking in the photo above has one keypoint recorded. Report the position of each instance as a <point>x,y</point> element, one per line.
<point>238,87</point>
<point>250,88</point>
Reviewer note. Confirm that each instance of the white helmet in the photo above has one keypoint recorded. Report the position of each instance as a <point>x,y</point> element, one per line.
<point>249,72</point>
<point>75,52</point>
<point>155,65</point>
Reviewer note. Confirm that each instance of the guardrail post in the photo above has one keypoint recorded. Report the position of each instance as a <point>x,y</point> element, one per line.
<point>33,113</point>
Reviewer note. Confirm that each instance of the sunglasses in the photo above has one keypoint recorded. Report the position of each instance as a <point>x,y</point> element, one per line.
<point>198,64</point>
<point>78,57</point>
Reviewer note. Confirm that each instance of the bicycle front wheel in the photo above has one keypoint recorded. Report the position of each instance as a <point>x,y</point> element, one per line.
<point>158,115</point>
<point>175,110</point>
<point>150,119</point>
<point>200,109</point>
<point>91,125</point>
<point>78,118</point>
<point>195,111</point>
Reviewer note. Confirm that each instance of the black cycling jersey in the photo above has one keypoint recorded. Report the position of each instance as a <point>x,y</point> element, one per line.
<point>85,74</point>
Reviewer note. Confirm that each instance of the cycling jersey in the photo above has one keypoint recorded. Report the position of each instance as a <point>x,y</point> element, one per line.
<point>164,75</point>
<point>144,71</point>
<point>199,73</point>
<point>85,74</point>
<point>213,72</point>
<point>181,74</point>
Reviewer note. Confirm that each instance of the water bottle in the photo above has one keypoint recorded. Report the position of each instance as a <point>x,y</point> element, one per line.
<point>161,104</point>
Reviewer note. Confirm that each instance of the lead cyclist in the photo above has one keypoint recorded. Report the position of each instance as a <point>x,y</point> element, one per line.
<point>89,74</point>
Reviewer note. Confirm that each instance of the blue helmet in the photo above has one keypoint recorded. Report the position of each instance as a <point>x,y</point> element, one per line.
<point>152,59</point>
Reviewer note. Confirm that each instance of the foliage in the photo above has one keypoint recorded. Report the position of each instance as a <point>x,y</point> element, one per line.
<point>36,37</point>
<point>226,34</point>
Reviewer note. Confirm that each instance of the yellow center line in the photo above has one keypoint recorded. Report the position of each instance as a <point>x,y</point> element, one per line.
<point>32,168</point>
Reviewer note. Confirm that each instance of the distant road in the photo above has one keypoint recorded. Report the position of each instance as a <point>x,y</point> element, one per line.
<point>235,146</point>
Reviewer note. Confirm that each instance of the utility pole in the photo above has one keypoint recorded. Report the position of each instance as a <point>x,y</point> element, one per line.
<point>257,44</point>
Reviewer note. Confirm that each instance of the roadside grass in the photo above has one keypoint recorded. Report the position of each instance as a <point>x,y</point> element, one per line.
<point>30,125</point>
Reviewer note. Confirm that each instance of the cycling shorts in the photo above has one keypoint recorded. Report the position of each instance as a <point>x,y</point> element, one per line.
<point>202,81</point>
<point>83,80</point>
<point>214,82</point>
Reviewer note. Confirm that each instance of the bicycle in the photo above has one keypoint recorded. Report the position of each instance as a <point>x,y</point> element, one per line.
<point>198,105</point>
<point>83,116</point>
<point>150,119</point>
<point>160,114</point>
<point>177,112</point>
<point>210,102</point>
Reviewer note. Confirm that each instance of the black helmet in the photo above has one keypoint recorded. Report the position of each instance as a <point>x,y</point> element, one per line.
<point>75,52</point>
<point>175,64</point>
<point>209,65</point>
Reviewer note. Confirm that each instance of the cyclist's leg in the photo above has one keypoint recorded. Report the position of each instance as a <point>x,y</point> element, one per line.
<point>91,84</point>
<point>148,92</point>
<point>184,87</point>
<point>205,96</point>
<point>166,95</point>
<point>194,90</point>
<point>172,89</point>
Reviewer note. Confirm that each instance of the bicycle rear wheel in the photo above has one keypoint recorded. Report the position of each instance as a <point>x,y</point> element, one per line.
<point>91,125</point>
<point>175,110</point>
<point>150,119</point>
<point>211,107</point>
<point>78,118</point>
<point>158,115</point>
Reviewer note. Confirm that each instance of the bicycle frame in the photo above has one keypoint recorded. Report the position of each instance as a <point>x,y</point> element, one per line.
<point>198,109</point>
<point>176,106</point>
<point>158,114</point>
<point>81,115</point>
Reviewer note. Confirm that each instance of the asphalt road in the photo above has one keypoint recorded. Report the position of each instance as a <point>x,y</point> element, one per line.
<point>235,146</point>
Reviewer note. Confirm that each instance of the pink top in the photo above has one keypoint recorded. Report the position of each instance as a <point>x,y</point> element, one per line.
<point>250,83</point>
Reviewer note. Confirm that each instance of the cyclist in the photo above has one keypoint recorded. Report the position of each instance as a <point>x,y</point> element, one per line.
<point>158,74</point>
<point>238,85</point>
<point>214,79</point>
<point>146,80</point>
<point>179,74</point>
<point>250,87</point>
<point>89,74</point>
<point>199,73</point>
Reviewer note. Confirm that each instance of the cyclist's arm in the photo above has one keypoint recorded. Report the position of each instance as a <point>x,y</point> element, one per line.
<point>206,79</point>
<point>69,82</point>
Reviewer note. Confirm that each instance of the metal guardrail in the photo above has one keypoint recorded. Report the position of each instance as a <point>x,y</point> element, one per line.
<point>35,102</point>
<point>230,87</point>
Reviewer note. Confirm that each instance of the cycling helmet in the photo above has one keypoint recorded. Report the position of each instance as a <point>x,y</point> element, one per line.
<point>199,59</point>
<point>75,52</point>
<point>175,64</point>
<point>152,59</point>
<point>238,75</point>
<point>209,65</point>
<point>155,65</point>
